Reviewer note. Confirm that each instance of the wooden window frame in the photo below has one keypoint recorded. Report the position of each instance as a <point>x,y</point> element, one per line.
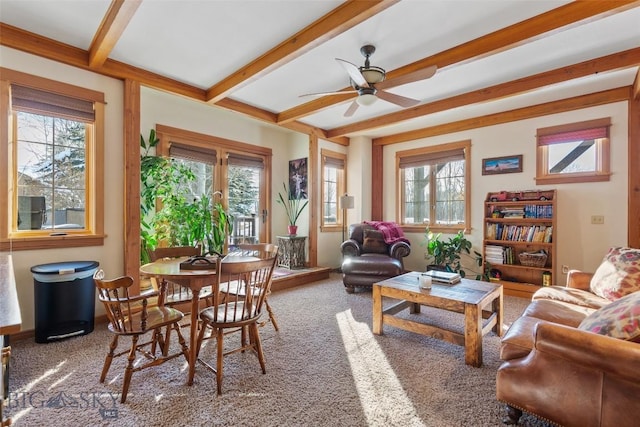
<point>439,228</point>
<point>93,233</point>
<point>223,148</point>
<point>341,189</point>
<point>602,147</point>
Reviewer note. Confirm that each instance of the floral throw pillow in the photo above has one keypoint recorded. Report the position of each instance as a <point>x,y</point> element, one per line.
<point>618,275</point>
<point>620,319</point>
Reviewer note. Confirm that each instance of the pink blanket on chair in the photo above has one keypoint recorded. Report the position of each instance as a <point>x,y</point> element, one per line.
<point>391,232</point>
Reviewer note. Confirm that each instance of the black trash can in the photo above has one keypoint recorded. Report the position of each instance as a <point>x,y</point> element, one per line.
<point>64,295</point>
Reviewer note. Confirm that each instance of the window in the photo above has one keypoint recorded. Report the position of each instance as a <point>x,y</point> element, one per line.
<point>53,147</point>
<point>433,187</point>
<point>333,186</point>
<point>577,152</point>
<point>233,173</point>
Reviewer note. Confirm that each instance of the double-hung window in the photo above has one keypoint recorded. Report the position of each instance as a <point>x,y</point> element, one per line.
<point>52,145</point>
<point>333,186</point>
<point>575,152</point>
<point>433,187</point>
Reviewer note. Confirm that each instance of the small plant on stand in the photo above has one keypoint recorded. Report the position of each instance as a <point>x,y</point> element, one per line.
<point>293,206</point>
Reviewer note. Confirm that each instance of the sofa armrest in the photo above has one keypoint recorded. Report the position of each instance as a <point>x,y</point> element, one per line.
<point>600,352</point>
<point>351,247</point>
<point>599,372</point>
<point>579,280</point>
<point>399,250</point>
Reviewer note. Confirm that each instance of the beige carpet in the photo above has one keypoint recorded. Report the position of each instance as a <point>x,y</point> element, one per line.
<point>324,368</point>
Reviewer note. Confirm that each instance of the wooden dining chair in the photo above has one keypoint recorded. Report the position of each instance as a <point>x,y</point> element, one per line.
<point>258,250</point>
<point>240,311</point>
<point>174,293</point>
<point>132,316</point>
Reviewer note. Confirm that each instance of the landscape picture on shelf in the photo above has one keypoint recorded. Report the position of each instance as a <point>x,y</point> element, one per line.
<point>506,164</point>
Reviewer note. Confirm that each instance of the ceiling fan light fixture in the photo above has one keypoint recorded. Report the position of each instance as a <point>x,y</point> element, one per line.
<point>366,99</point>
<point>373,74</point>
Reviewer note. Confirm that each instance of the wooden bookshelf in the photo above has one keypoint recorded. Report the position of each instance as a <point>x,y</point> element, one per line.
<point>516,223</point>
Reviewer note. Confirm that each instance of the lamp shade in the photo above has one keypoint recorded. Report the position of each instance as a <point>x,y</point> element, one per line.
<point>346,202</point>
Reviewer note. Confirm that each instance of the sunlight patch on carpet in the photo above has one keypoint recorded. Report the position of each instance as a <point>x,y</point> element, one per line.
<point>378,388</point>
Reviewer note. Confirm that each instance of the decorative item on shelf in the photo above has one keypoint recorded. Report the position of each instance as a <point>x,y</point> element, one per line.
<point>346,202</point>
<point>546,278</point>
<point>533,259</point>
<point>293,205</point>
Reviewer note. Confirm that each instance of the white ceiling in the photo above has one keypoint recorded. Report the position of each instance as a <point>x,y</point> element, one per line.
<point>202,42</point>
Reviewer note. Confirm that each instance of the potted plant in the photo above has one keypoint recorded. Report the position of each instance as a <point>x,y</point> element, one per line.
<point>179,221</point>
<point>446,255</point>
<point>293,206</point>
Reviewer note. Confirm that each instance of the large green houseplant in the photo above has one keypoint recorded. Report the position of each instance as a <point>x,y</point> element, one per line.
<point>293,207</point>
<point>168,216</point>
<point>446,255</point>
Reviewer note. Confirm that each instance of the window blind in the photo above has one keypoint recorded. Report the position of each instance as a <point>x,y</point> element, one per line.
<point>190,152</point>
<point>333,162</point>
<point>31,100</point>
<point>236,159</point>
<point>583,131</point>
<point>425,159</point>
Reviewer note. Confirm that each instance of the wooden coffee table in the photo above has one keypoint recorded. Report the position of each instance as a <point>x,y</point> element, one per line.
<point>481,303</point>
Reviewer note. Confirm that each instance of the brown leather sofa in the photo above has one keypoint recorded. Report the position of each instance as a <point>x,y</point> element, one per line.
<point>565,375</point>
<point>367,259</point>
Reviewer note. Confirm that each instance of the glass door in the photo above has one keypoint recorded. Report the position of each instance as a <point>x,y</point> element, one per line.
<point>245,187</point>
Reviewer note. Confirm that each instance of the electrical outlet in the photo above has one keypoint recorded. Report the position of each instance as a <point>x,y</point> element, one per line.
<point>565,269</point>
<point>597,219</point>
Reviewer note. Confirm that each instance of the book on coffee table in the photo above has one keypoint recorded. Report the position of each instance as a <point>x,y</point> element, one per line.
<point>446,277</point>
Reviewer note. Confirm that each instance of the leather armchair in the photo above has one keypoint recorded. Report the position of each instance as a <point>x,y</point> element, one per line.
<point>367,259</point>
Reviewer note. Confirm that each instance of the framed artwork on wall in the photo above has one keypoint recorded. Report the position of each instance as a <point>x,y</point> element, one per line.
<point>298,179</point>
<point>498,165</point>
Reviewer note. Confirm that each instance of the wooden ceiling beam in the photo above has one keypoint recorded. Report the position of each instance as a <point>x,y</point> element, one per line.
<point>25,41</point>
<point>339,20</point>
<point>636,86</point>
<point>111,28</point>
<point>561,18</point>
<point>616,61</point>
<point>553,107</point>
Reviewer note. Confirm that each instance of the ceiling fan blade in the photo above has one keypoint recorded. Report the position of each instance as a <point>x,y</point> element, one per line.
<point>402,101</point>
<point>340,92</point>
<point>354,72</point>
<point>352,109</point>
<point>422,74</point>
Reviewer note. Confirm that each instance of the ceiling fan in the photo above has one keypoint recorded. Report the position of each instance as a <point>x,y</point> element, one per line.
<point>369,83</point>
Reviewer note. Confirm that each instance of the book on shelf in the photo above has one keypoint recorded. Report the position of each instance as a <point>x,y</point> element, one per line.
<point>519,233</point>
<point>538,211</point>
<point>494,254</point>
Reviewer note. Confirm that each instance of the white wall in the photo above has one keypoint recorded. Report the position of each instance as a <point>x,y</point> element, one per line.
<point>580,244</point>
<point>110,255</point>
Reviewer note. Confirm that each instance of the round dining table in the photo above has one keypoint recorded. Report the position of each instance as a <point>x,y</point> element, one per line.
<point>169,269</point>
